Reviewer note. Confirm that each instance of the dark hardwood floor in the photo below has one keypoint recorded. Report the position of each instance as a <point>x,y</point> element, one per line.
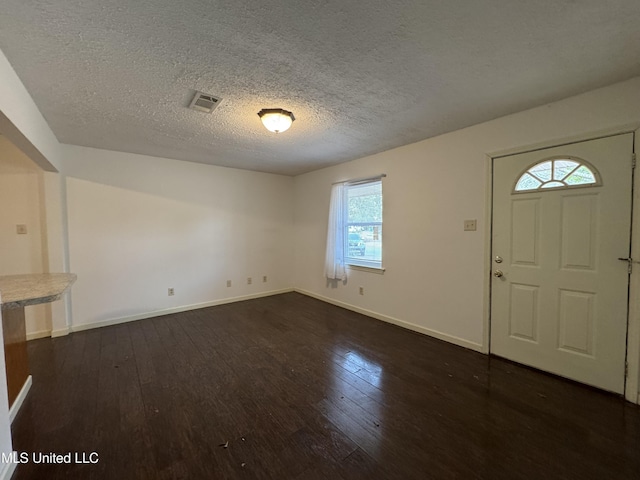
<point>304,390</point>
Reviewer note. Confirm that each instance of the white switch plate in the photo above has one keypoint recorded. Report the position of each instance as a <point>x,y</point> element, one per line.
<point>469,225</point>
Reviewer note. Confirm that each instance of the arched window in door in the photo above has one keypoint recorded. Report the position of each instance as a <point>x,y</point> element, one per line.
<point>552,173</point>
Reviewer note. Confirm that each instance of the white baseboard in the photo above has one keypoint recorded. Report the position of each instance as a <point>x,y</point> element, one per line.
<point>7,470</point>
<point>401,323</point>
<point>40,334</point>
<point>15,408</point>
<point>61,332</point>
<point>385,318</point>
<point>114,321</point>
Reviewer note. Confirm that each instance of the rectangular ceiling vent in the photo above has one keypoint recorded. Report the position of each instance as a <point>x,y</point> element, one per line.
<point>203,102</point>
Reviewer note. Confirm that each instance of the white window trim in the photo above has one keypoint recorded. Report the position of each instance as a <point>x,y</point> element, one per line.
<point>363,268</point>
<point>354,262</point>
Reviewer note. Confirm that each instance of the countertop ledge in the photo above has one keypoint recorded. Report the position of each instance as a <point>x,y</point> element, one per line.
<point>32,289</point>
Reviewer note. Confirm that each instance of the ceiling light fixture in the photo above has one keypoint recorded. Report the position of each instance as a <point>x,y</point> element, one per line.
<point>276,120</point>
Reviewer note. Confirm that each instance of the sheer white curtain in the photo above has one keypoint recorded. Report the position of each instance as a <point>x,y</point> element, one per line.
<point>334,260</point>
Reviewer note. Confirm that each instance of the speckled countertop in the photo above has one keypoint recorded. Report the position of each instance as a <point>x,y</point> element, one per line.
<point>23,290</point>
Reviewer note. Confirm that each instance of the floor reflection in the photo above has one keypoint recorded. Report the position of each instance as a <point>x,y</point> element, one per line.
<point>367,368</point>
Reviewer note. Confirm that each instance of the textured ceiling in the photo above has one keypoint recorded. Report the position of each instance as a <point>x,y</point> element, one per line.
<point>361,76</point>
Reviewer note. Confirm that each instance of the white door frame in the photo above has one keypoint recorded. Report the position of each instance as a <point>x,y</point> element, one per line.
<point>632,385</point>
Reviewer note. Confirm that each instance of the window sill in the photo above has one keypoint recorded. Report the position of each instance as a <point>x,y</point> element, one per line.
<point>378,270</point>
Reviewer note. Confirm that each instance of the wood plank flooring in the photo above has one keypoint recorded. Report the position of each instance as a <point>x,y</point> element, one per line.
<point>305,390</point>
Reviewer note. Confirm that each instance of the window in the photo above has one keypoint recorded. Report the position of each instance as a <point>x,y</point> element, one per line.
<point>363,224</point>
<point>558,173</point>
<point>354,230</point>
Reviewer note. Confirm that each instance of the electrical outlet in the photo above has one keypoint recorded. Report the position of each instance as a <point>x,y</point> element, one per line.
<point>249,280</point>
<point>228,283</point>
<point>170,292</point>
<point>21,229</point>
<point>264,279</point>
<point>469,225</point>
<point>361,290</point>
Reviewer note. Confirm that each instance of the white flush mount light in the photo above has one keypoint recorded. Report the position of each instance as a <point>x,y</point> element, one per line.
<point>276,120</point>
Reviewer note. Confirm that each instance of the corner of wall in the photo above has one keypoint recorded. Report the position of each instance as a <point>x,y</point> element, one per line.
<point>22,122</point>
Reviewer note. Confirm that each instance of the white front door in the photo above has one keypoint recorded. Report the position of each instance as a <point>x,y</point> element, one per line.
<point>561,220</point>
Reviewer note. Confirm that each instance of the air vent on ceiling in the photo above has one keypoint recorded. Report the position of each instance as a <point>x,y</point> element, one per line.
<point>203,102</point>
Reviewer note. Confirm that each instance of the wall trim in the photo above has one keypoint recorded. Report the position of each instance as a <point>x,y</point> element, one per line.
<point>632,383</point>
<point>38,334</point>
<point>7,470</point>
<point>488,263</point>
<point>461,342</point>
<point>61,332</point>
<point>156,313</point>
<point>15,408</point>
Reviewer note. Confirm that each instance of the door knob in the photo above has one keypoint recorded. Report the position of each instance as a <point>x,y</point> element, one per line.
<point>498,273</point>
<point>630,261</point>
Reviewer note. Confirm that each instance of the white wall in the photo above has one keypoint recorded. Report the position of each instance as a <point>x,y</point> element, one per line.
<point>139,225</point>
<point>435,272</point>
<point>20,200</point>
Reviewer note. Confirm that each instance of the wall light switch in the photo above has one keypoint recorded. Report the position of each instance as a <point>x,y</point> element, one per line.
<point>21,229</point>
<point>469,225</point>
